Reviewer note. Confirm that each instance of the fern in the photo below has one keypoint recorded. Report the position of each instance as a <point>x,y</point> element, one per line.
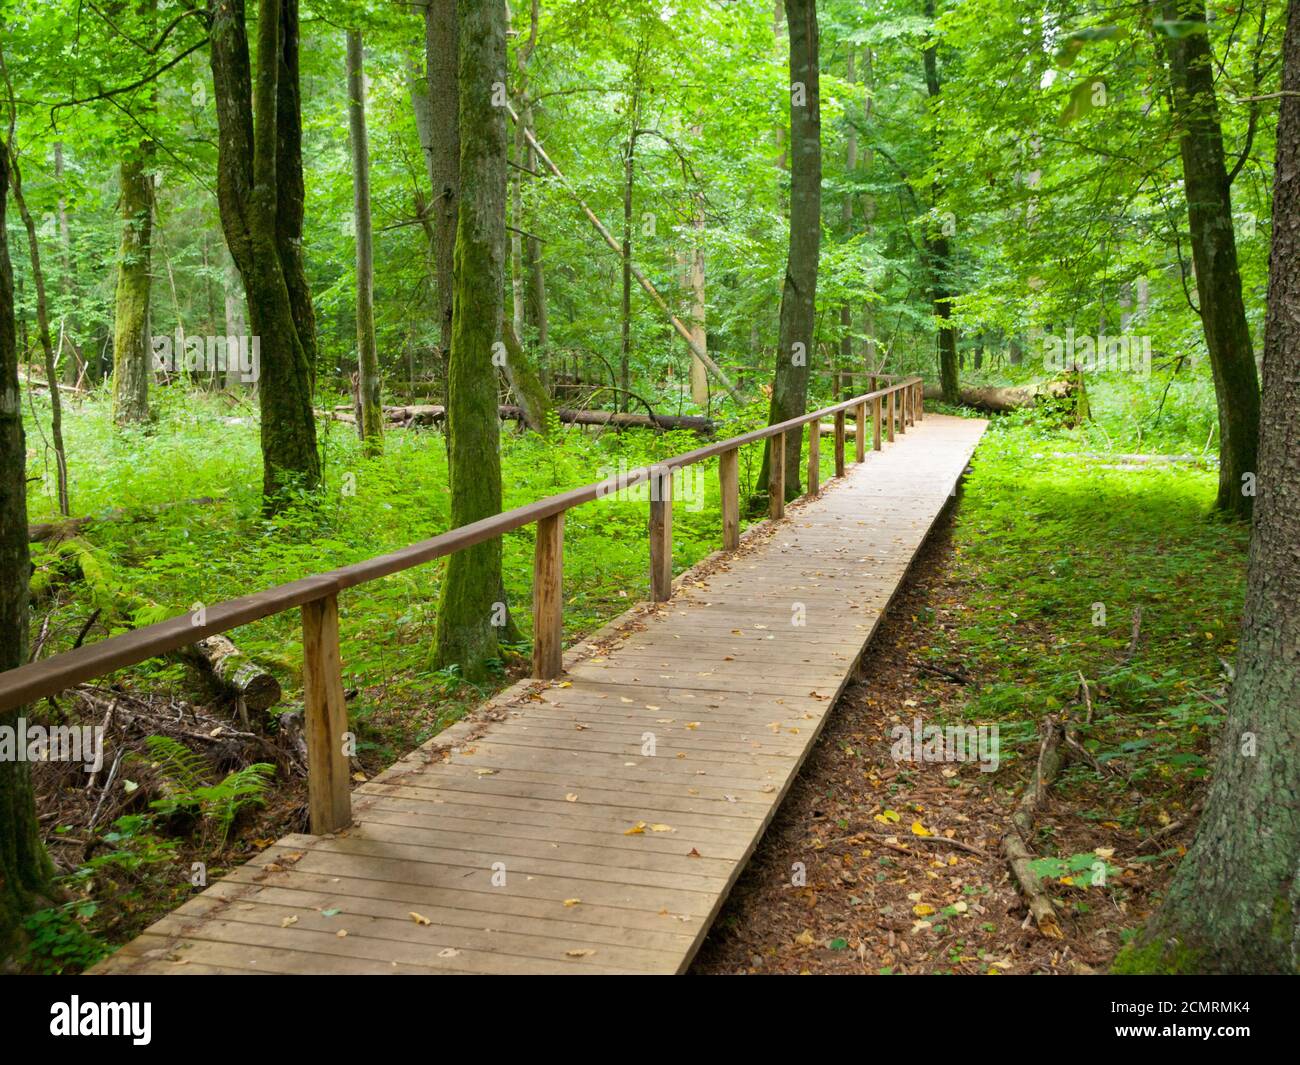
<point>218,804</point>
<point>185,768</point>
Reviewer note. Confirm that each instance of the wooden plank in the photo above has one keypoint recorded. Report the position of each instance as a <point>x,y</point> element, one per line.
<point>692,716</point>
<point>548,598</point>
<point>814,459</point>
<point>776,478</point>
<point>839,444</point>
<point>325,717</point>
<point>889,421</point>
<point>661,535</point>
<point>859,435</point>
<point>729,485</point>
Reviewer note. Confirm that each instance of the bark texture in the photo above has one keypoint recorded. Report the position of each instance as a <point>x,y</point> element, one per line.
<point>799,293</point>
<point>472,609</point>
<point>1234,904</point>
<point>1214,256</point>
<point>132,350</point>
<point>24,868</point>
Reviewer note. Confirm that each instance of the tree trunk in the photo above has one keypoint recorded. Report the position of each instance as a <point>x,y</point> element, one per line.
<point>260,192</point>
<point>132,348</point>
<point>25,870</point>
<point>371,423</point>
<point>799,292</point>
<point>441,142</point>
<point>47,346</point>
<point>940,251</point>
<point>235,324</point>
<point>1234,904</point>
<point>629,178</point>
<point>846,215</point>
<point>699,310</point>
<point>471,609</point>
<point>72,366</point>
<point>1214,256</point>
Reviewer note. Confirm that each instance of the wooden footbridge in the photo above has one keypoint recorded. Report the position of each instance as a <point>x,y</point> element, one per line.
<point>594,819</point>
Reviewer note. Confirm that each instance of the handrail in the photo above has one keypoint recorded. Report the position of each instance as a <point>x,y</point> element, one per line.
<point>322,676</point>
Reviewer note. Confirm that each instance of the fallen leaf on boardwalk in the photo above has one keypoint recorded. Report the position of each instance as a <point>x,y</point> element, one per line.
<point>662,828</point>
<point>692,724</point>
<point>262,844</point>
<point>359,776</point>
<point>693,853</point>
<point>565,684</point>
<point>331,912</point>
<point>572,902</point>
<point>287,921</point>
<point>579,953</point>
<point>571,797</point>
<point>580,728</point>
<point>650,706</point>
<point>419,918</point>
<point>636,830</point>
<point>625,699</point>
<point>919,829</point>
<point>342,933</point>
<point>485,772</point>
<point>448,952</point>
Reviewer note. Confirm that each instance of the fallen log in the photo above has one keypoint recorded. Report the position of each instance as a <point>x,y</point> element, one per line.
<point>66,528</point>
<point>1015,844</point>
<point>1004,400</point>
<point>433,414</point>
<point>232,670</point>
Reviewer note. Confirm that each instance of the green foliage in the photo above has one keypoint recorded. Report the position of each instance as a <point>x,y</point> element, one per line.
<point>58,940</point>
<point>218,804</point>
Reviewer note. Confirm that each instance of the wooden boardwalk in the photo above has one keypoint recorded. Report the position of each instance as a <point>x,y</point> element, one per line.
<point>596,823</point>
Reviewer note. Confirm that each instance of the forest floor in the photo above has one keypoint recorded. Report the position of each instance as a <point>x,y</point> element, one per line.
<point>996,622</point>
<point>876,864</point>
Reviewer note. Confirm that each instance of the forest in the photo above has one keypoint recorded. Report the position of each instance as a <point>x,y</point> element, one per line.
<point>387,386</point>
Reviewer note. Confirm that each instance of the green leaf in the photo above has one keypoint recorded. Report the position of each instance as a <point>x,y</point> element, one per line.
<point>1179,29</point>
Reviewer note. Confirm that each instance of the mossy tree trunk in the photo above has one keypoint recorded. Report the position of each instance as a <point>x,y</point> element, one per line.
<point>25,870</point>
<point>371,422</point>
<point>472,610</point>
<point>1214,256</point>
<point>132,351</point>
<point>799,293</point>
<point>260,193</point>
<point>1234,904</point>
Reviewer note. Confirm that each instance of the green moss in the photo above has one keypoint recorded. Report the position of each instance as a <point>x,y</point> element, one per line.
<point>1156,957</point>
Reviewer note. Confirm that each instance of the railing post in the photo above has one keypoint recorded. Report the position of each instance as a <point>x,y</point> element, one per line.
<point>548,598</point>
<point>920,401</point>
<point>729,486</point>
<point>902,408</point>
<point>875,423</point>
<point>776,477</point>
<point>889,422</point>
<point>814,456</point>
<point>661,534</point>
<point>839,443</point>
<point>325,717</point>
<point>860,434</point>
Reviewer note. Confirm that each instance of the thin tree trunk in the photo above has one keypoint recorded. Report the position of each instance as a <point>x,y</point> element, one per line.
<point>846,216</point>
<point>236,326</point>
<point>371,423</point>
<point>799,293</point>
<point>25,871</point>
<point>1214,257</point>
<point>47,346</point>
<point>1234,904</point>
<point>940,251</point>
<point>472,609</point>
<point>629,178</point>
<point>132,352</point>
<point>72,367</point>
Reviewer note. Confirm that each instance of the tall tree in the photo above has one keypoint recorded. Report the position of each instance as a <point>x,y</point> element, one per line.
<point>132,354</point>
<point>471,609</point>
<point>799,291</point>
<point>1234,904</point>
<point>1214,253</point>
<point>370,420</point>
<point>938,248</point>
<point>24,868</point>
<point>260,193</point>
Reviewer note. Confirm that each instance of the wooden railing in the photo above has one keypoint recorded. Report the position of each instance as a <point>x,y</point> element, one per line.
<point>893,407</point>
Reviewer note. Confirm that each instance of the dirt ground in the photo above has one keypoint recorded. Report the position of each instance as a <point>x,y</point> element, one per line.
<point>877,866</point>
